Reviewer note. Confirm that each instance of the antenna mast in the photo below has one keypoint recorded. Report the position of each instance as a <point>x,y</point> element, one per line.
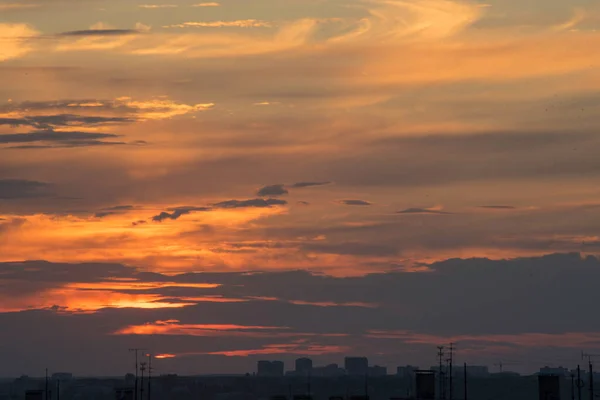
<point>441,377</point>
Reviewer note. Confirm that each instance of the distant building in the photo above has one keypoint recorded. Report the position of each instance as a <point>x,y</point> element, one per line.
<point>270,368</point>
<point>376,370</point>
<point>356,365</point>
<point>34,395</point>
<point>303,366</point>
<point>124,394</point>
<point>330,370</point>
<point>473,371</point>
<point>425,385</point>
<point>407,372</point>
<point>549,387</point>
<point>560,371</point>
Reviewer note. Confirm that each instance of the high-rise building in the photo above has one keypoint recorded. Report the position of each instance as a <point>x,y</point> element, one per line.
<point>376,370</point>
<point>277,368</point>
<point>407,372</point>
<point>549,387</point>
<point>303,366</point>
<point>356,365</point>
<point>330,370</point>
<point>425,383</point>
<point>270,368</point>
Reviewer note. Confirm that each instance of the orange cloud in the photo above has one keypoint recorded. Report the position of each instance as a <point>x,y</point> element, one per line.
<point>74,300</point>
<point>174,327</point>
<point>14,40</point>
<point>310,349</point>
<point>163,356</point>
<point>244,23</point>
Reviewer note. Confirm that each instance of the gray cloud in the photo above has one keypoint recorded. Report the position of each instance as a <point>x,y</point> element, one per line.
<point>499,207</point>
<point>21,189</point>
<point>355,202</point>
<point>309,184</point>
<point>57,139</point>
<point>351,248</point>
<point>474,299</point>
<point>415,210</point>
<point>177,212</point>
<point>79,143</point>
<point>120,208</point>
<point>50,121</point>
<point>101,32</point>
<point>260,203</point>
<point>51,135</point>
<point>103,214</point>
<point>272,190</point>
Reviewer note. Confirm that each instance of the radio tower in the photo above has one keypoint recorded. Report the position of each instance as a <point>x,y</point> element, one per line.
<point>591,373</point>
<point>450,369</point>
<point>136,350</point>
<point>149,375</point>
<point>142,368</point>
<point>441,377</point>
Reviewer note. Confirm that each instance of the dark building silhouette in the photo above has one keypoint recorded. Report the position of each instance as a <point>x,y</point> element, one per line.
<point>356,365</point>
<point>407,372</point>
<point>303,366</point>
<point>376,370</point>
<point>549,387</point>
<point>425,385</point>
<point>331,370</point>
<point>559,371</point>
<point>124,394</point>
<point>270,368</point>
<point>34,395</point>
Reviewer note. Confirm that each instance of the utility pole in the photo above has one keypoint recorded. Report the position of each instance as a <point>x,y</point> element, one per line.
<point>142,368</point>
<point>441,377</point>
<point>149,375</point>
<point>579,383</point>
<point>46,390</point>
<point>135,393</point>
<point>450,370</point>
<point>465,379</point>
<point>591,381</point>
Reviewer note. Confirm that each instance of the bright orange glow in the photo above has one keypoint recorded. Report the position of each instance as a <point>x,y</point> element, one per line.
<point>174,327</point>
<point>138,285</point>
<point>72,300</point>
<point>163,356</point>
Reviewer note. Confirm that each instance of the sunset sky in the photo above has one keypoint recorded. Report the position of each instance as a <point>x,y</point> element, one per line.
<point>221,182</point>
